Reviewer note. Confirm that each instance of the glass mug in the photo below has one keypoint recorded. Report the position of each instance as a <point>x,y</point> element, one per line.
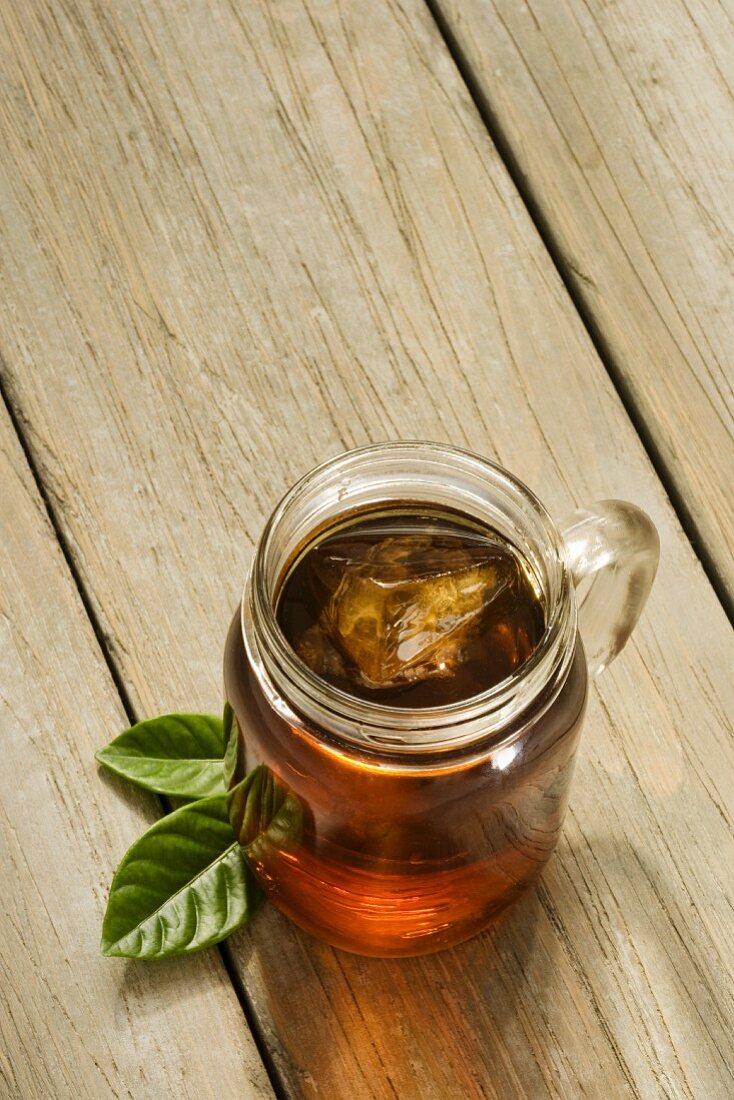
<point>388,831</point>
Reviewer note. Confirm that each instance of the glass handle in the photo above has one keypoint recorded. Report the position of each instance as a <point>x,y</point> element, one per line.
<point>612,551</point>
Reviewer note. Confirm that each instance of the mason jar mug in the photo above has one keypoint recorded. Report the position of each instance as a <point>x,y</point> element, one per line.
<point>397,830</point>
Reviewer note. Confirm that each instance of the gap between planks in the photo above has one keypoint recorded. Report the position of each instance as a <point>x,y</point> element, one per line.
<point>546,232</point>
<point>250,1017</point>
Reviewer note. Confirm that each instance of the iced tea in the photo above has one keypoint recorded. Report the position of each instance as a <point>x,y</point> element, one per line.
<point>390,855</point>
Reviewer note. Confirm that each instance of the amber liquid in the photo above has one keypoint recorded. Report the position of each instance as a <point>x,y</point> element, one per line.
<point>411,608</point>
<point>396,856</point>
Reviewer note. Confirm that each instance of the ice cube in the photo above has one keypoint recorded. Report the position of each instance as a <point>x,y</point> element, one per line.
<point>317,650</point>
<point>403,609</point>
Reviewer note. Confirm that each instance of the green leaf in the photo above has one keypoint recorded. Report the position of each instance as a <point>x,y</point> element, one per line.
<point>231,744</point>
<point>264,812</point>
<point>182,887</point>
<point>176,754</point>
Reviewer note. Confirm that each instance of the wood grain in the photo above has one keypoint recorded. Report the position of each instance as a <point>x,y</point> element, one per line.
<point>73,1024</point>
<point>619,118</point>
<point>238,238</point>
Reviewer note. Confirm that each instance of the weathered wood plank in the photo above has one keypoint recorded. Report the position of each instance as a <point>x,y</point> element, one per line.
<point>237,239</point>
<point>73,1024</point>
<point>620,118</point>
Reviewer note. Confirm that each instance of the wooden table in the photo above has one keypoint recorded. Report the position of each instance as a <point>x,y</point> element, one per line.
<point>236,239</point>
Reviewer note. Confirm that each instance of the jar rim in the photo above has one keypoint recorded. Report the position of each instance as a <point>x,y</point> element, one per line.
<point>298,692</point>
